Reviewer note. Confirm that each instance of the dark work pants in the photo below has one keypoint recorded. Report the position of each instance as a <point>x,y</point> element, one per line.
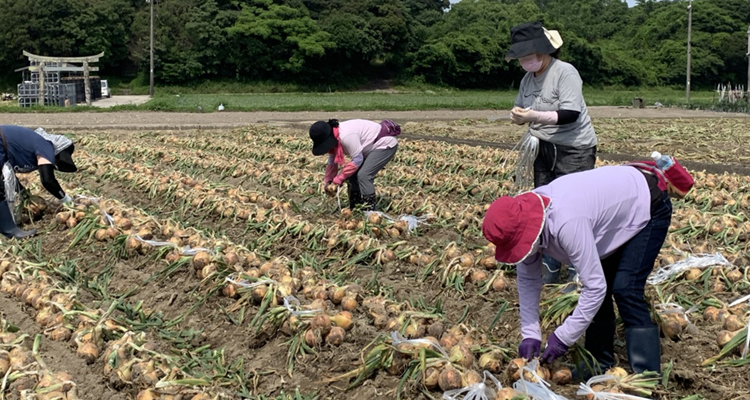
<point>552,162</point>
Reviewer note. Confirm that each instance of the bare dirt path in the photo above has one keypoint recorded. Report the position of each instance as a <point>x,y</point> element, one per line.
<point>224,120</point>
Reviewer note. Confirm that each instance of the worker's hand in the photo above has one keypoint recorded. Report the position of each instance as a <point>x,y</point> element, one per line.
<point>522,116</point>
<point>67,200</point>
<point>554,350</point>
<point>529,348</point>
<point>331,189</point>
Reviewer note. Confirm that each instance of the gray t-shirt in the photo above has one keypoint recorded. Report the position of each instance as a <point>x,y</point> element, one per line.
<point>558,88</point>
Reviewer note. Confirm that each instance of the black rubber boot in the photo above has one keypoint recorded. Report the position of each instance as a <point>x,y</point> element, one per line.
<point>600,342</point>
<point>355,198</point>
<point>370,202</point>
<point>8,227</point>
<point>644,348</point>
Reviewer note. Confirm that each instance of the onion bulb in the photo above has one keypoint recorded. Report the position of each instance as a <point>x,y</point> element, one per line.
<point>449,379</point>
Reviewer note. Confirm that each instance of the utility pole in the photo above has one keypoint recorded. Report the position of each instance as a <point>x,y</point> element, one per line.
<point>151,71</point>
<point>690,34</point>
<point>748,64</point>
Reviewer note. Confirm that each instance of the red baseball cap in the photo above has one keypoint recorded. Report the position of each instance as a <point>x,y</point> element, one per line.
<point>513,224</point>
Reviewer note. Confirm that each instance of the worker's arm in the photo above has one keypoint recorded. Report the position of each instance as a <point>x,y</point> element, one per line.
<point>47,176</point>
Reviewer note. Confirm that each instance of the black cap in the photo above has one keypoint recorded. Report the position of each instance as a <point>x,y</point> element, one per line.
<point>527,39</point>
<point>321,134</point>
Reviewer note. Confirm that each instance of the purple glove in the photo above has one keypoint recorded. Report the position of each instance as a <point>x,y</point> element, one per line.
<point>331,171</point>
<point>555,349</point>
<point>529,348</point>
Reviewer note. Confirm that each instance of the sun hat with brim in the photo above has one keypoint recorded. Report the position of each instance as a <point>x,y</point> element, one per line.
<point>529,38</point>
<point>322,136</point>
<point>513,224</point>
<point>64,160</point>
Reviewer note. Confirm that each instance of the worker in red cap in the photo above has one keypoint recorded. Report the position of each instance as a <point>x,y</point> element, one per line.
<point>611,223</point>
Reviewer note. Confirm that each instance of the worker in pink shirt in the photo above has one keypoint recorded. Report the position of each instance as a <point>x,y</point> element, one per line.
<point>370,146</point>
<point>610,223</point>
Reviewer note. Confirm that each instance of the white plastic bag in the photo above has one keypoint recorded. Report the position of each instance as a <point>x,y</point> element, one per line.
<point>701,261</point>
<point>12,194</point>
<point>477,391</point>
<point>398,339</point>
<point>674,308</point>
<point>585,389</point>
<point>411,220</point>
<point>291,303</point>
<point>538,390</point>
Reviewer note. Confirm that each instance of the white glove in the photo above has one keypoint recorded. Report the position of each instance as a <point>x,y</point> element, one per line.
<point>66,200</point>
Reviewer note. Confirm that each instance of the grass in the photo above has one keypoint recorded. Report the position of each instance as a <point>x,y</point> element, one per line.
<point>402,100</point>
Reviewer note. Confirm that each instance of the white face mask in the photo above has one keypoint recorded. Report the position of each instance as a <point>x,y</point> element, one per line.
<point>531,63</point>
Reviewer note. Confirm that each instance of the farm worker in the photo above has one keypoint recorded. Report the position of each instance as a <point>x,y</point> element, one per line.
<point>370,145</point>
<point>611,223</point>
<point>24,150</point>
<point>550,100</point>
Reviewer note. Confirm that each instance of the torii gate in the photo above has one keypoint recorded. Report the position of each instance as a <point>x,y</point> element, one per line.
<point>71,60</point>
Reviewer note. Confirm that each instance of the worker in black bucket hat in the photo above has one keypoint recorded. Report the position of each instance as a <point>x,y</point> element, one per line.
<point>22,151</point>
<point>550,101</point>
<point>369,144</point>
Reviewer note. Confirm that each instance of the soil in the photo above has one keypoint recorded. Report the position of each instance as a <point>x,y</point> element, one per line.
<point>144,120</point>
<point>265,355</point>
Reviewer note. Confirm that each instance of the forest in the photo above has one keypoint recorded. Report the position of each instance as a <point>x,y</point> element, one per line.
<point>340,43</point>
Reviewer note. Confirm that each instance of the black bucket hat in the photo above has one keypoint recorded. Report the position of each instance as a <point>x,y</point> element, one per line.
<point>64,160</point>
<point>528,38</point>
<point>321,134</point>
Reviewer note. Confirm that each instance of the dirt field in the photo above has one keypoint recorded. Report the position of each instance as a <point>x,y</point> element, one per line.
<point>252,196</point>
<point>217,120</point>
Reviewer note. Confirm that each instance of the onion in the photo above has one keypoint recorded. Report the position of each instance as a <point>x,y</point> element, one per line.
<point>414,330</point>
<point>430,378</point>
<point>436,329</point>
<point>711,314</point>
<point>349,303</point>
<point>374,219</point>
<point>60,334</point>
<point>379,320</point>
<point>336,336</point>
<point>734,275</point>
<point>201,259</point>
<point>513,371</point>
<point>671,328</point>
<point>466,260</point>
<point>724,337</point>
<point>313,338</point>
<point>477,276</point>
<point>4,362</point>
<point>617,372</point>
<point>449,379</point>
<point>132,244</point>
<point>542,371</point>
<point>147,394</point>
<point>491,361</point>
<point>562,376</point>
<point>693,274</point>
<point>448,341</point>
<point>229,290</point>
<point>232,259</point>
<point>462,355</point>
<point>471,377</point>
<point>101,235</point>
<point>507,394</point>
<point>89,352</point>
<point>733,323</point>
<point>71,223</point>
<point>499,283</point>
<point>321,322</point>
<point>343,320</point>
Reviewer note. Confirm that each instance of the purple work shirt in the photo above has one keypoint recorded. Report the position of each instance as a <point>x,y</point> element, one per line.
<point>591,214</point>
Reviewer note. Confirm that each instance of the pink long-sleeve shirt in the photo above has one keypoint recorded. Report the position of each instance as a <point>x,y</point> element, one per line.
<point>358,139</point>
<point>591,214</point>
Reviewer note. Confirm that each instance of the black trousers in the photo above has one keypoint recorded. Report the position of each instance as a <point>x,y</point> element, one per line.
<point>554,161</point>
